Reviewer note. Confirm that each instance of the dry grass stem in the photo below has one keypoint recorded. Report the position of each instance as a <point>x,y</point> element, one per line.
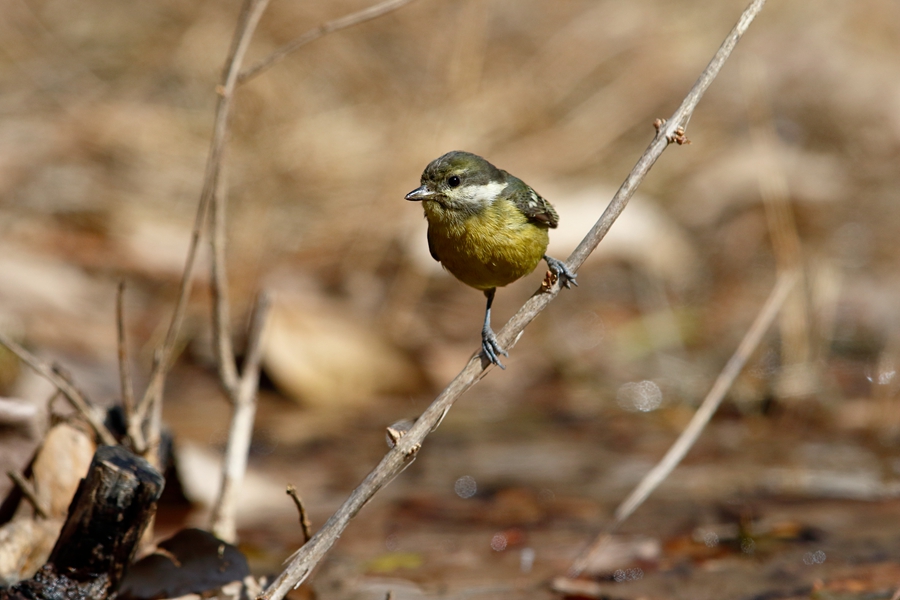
<point>366,14</point>
<point>399,457</point>
<point>73,394</point>
<point>253,354</point>
<point>689,436</point>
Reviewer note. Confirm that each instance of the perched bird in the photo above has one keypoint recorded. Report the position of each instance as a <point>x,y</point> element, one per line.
<point>487,228</point>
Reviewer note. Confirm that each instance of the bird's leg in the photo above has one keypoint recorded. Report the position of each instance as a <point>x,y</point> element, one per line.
<point>562,272</point>
<point>490,347</point>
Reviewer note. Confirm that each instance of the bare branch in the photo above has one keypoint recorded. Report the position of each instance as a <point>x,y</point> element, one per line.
<point>221,306</point>
<point>409,444</point>
<point>73,394</point>
<point>244,394</point>
<point>124,364</point>
<point>154,420</point>
<point>669,131</point>
<point>242,390</point>
<point>254,352</point>
<point>366,14</point>
<point>250,14</point>
<point>699,421</point>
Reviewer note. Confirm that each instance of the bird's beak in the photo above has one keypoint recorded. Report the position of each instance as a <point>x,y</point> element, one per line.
<point>419,194</point>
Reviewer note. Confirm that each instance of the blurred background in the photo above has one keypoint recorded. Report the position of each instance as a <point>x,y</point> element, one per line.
<point>106,113</point>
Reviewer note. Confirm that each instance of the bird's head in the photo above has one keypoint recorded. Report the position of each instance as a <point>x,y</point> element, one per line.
<point>460,181</point>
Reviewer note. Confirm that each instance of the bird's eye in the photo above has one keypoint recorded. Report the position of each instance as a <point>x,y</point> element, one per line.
<point>453,181</point>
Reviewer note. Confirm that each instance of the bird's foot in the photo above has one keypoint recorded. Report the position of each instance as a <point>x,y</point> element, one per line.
<point>491,348</point>
<point>560,272</point>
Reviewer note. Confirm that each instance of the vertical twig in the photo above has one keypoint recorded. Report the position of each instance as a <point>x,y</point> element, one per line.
<point>127,387</point>
<point>242,389</point>
<point>251,12</point>
<point>254,352</point>
<point>221,307</point>
<point>153,426</point>
<point>305,525</point>
<point>222,521</point>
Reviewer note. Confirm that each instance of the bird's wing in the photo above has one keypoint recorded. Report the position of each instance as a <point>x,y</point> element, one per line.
<point>532,204</point>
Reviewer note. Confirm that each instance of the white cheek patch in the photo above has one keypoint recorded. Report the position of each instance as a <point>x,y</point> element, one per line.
<point>482,195</point>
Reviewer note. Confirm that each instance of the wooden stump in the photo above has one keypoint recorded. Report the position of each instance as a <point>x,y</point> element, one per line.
<point>107,518</point>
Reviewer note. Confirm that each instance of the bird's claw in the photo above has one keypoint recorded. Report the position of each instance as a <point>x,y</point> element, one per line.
<point>561,272</point>
<point>490,348</point>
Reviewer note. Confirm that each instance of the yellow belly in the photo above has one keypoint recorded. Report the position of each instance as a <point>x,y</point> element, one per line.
<point>491,249</point>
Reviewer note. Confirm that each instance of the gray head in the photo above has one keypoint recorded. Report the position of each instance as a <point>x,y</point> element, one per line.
<point>460,180</point>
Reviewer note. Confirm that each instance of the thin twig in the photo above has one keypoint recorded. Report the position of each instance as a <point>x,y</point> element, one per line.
<point>253,354</point>
<point>366,14</point>
<point>124,363</point>
<point>699,421</point>
<point>302,562</point>
<point>221,307</point>
<point>153,426</point>
<point>251,12</point>
<point>244,394</point>
<point>73,394</point>
<point>28,492</point>
<point>242,389</point>
<point>304,518</point>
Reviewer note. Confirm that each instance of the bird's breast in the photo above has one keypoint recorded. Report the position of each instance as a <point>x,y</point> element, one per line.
<point>488,249</point>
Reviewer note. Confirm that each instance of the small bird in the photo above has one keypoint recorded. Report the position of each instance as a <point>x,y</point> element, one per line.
<point>487,228</point>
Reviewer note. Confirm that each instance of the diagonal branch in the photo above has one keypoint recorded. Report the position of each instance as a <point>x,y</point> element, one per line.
<point>399,457</point>
<point>73,394</point>
<point>40,509</point>
<point>699,421</point>
<point>366,14</point>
